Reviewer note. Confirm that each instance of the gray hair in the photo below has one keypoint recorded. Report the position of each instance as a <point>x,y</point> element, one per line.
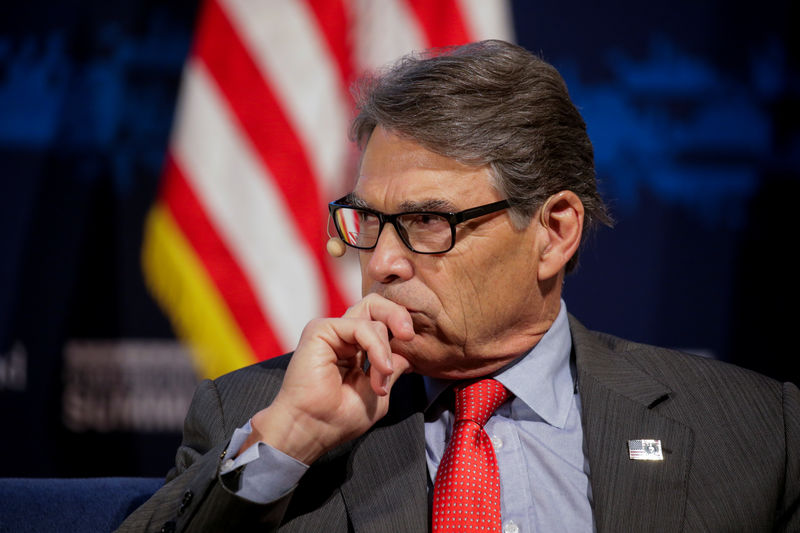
<point>489,103</point>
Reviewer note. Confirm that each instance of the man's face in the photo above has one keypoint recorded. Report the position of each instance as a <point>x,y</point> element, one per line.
<point>474,308</point>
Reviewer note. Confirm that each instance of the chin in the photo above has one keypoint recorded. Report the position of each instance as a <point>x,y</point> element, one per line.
<point>450,373</point>
<point>431,361</point>
<point>414,353</point>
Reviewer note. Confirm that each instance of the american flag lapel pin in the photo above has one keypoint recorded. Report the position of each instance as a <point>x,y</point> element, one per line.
<point>645,450</point>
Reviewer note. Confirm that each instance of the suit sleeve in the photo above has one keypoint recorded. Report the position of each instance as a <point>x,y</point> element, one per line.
<point>788,518</point>
<point>195,496</point>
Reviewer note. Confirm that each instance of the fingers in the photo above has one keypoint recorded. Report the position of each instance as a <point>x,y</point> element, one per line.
<point>365,329</point>
<point>351,337</point>
<point>381,384</point>
<point>378,308</point>
<point>329,393</point>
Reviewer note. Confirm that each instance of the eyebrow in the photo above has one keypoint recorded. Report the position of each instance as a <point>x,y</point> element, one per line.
<point>356,201</point>
<point>431,204</point>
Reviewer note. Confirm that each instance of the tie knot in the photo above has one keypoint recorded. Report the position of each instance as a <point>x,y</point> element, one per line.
<point>477,401</point>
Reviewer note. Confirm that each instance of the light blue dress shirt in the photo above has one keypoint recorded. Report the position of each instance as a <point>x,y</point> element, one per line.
<point>537,435</point>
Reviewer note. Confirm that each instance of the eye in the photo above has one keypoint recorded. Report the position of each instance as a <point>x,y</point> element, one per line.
<point>366,219</point>
<point>424,221</point>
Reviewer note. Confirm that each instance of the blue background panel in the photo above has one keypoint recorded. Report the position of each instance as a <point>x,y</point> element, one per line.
<point>692,107</point>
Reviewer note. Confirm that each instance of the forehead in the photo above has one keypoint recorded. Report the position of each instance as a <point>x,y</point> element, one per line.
<point>396,172</point>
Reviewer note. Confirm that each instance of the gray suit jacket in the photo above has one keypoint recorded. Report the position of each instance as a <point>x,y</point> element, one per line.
<point>730,439</point>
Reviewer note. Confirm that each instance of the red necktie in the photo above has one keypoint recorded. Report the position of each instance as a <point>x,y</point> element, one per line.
<point>466,494</point>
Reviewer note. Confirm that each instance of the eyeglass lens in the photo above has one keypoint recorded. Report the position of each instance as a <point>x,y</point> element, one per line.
<point>423,232</point>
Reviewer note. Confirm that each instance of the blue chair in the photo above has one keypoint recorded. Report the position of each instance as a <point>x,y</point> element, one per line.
<point>72,505</point>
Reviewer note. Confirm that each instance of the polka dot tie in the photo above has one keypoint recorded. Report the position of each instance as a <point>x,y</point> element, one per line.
<point>466,494</point>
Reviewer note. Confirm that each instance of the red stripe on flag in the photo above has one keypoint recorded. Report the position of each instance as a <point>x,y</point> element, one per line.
<point>260,114</point>
<point>222,268</point>
<point>332,19</point>
<point>442,22</point>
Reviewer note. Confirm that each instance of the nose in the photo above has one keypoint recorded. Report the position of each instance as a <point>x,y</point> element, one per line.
<point>389,260</point>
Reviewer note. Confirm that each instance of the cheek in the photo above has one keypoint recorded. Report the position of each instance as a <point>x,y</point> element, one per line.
<point>462,297</point>
<point>485,287</point>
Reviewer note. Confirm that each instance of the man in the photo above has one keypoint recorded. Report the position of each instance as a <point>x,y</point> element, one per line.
<point>475,188</point>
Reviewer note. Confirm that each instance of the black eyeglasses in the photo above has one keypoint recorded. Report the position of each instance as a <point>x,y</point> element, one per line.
<point>423,232</point>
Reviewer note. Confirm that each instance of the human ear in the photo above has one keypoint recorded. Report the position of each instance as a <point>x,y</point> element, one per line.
<point>561,226</point>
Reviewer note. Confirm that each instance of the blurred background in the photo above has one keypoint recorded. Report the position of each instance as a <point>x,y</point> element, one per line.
<point>164,170</point>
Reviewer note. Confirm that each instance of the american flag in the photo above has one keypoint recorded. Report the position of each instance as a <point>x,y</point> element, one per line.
<point>234,247</point>
<point>645,450</point>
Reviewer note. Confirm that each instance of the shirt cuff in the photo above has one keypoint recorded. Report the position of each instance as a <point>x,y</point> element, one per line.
<point>267,474</point>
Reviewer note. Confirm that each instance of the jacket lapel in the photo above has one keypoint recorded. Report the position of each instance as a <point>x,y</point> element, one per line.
<point>386,489</point>
<point>619,403</point>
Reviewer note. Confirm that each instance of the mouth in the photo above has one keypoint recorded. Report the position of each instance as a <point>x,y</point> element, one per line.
<point>397,300</point>
<point>420,314</point>
<point>417,317</point>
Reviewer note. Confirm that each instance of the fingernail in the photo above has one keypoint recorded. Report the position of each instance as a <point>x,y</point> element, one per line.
<point>386,384</point>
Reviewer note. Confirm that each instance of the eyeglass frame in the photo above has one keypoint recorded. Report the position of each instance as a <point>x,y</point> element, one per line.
<point>452,218</point>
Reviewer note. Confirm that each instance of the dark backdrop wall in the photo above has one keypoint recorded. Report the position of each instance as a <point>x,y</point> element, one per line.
<point>693,108</point>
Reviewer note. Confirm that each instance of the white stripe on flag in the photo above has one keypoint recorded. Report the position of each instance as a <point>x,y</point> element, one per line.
<point>487,19</point>
<point>384,31</point>
<point>245,207</point>
<point>284,41</point>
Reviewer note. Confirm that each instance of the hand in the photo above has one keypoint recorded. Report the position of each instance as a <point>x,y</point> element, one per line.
<point>327,397</point>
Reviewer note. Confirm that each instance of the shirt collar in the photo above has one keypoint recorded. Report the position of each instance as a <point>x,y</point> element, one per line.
<point>541,380</point>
